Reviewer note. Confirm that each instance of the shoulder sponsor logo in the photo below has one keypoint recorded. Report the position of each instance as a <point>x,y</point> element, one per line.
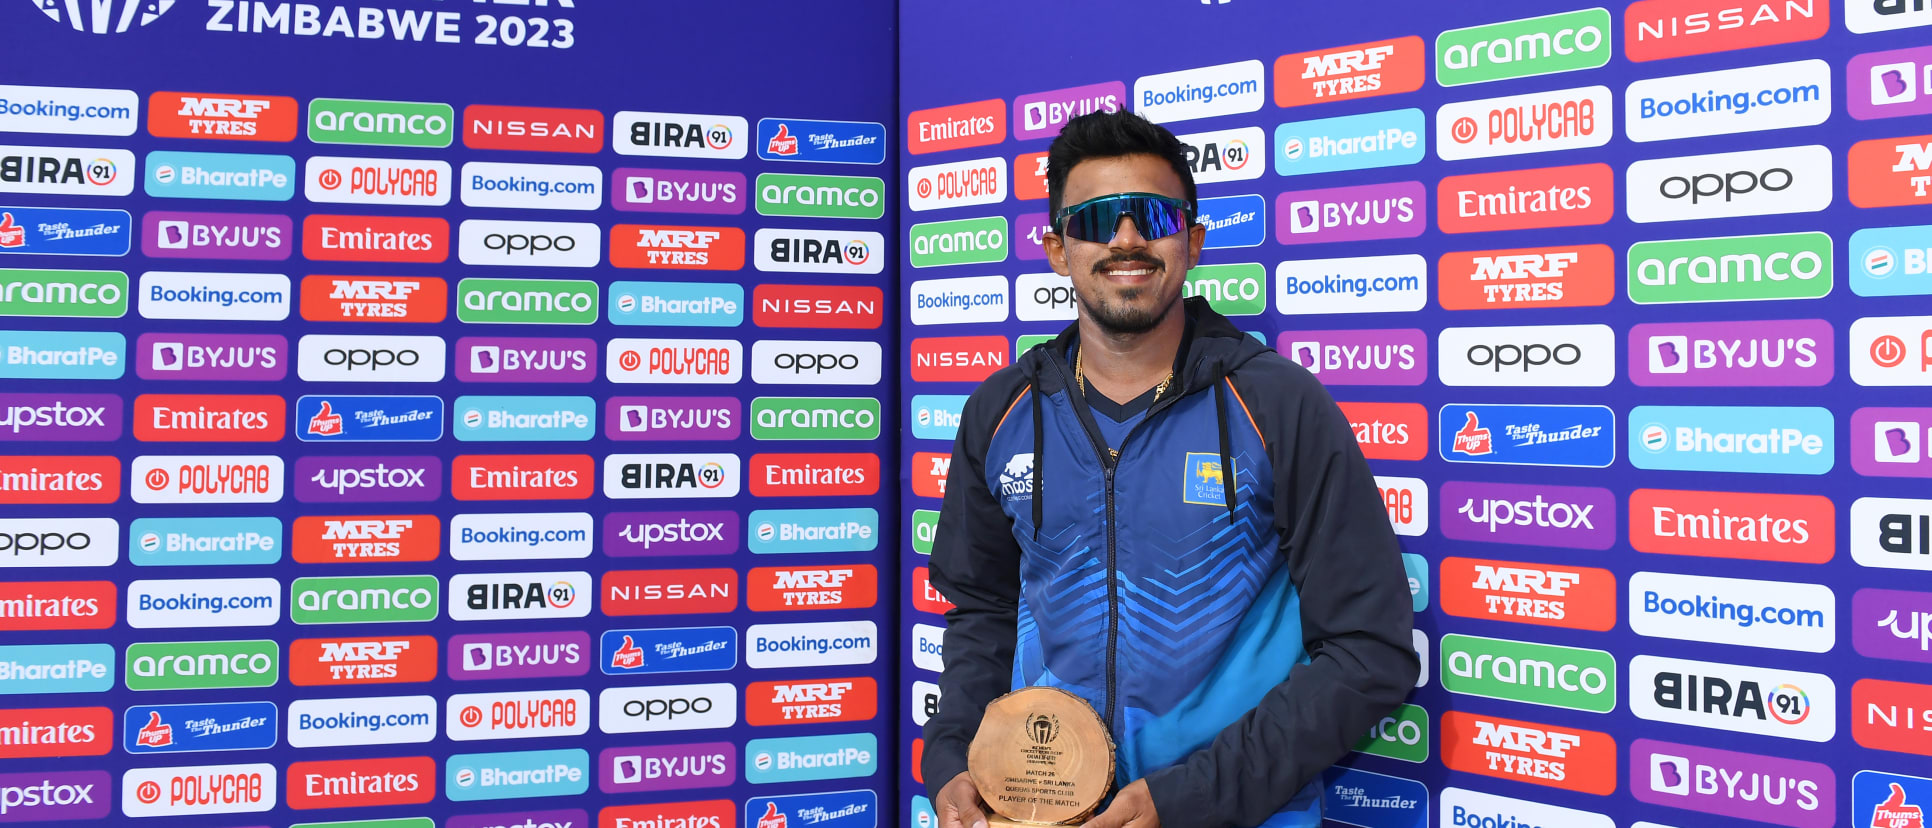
<point>664,708</point>
<point>669,591</point>
<point>1754,526</point>
<point>1575,196</point>
<point>66,170</point>
<point>41,796</point>
<point>1731,269</point>
<point>962,300</point>
<point>69,110</point>
<point>634,476</point>
<point>520,595</point>
<point>656,534</point>
<point>677,191</point>
<point>381,123</point>
<point>1892,442</point>
<point>235,478</point>
<point>1476,809</point>
<point>680,135</point>
<point>1746,613</point>
<point>1579,598</point>
<point>338,479</point>
<point>524,774</point>
<point>957,184</point>
<point>1576,356</point>
<point>528,244</point>
<point>654,768</point>
<point>1890,624</point>
<point>1543,674</point>
<point>1562,119</point>
<point>337,180</point>
<point>1407,500</point>
<point>218,116</point>
<point>1539,754</point>
<point>48,732</point>
<point>1787,704</point>
<point>1537,277</point>
<point>1402,735</point>
<point>801,645</point>
<point>809,362</point>
<point>1524,48</point>
<point>205,541</point>
<point>1768,440</point>
<point>1373,800</point>
<point>534,128</point>
<point>1394,138</point>
<point>843,307</point>
<point>1892,715</point>
<point>1661,29</point>
<point>527,301</point>
<point>357,783</point>
<point>976,124</point>
<point>531,186</point>
<point>1730,184</point>
<point>1365,284</point>
<point>59,479</point>
<point>527,419</point>
<point>356,419</point>
<point>207,602</point>
<point>94,294</point>
<point>1364,70</point>
<point>1569,517</point>
<point>666,247</point>
<point>374,299</point>
<point>1389,431</point>
<point>525,359</point>
<point>89,418</point>
<point>928,647</point>
<point>239,297</point>
<point>673,418</point>
<point>792,531</point>
<point>1364,213</point>
<point>219,175</point>
<point>1730,101</point>
<point>823,142</point>
<point>204,789</point>
<point>813,251</point>
<point>62,355</point>
<point>677,304</point>
<point>231,236</point>
<point>778,588</point>
<point>820,196</point>
<point>521,477</point>
<point>1231,289</point>
<point>1785,352</point>
<point>68,232</point>
<point>1891,172</point>
<point>1043,114</point>
<point>56,669</point>
<point>1226,155</point>
<point>668,650</point>
<point>814,418</point>
<point>810,758</point>
<point>321,539</point>
<point>367,599</point>
<point>385,720</point>
<point>522,715</point>
<point>57,542</point>
<point>936,416</point>
<point>1888,533</point>
<point>341,662</point>
<point>202,665</point>
<point>519,655</point>
<point>1734,785</point>
<point>419,240</point>
<point>193,728</point>
<point>1880,253</point>
<point>262,357</point>
<point>1381,357</point>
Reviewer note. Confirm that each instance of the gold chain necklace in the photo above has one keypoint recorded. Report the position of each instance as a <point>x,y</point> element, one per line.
<point>1080,376</point>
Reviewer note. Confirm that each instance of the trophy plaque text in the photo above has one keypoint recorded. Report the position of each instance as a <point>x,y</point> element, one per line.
<point>1042,757</point>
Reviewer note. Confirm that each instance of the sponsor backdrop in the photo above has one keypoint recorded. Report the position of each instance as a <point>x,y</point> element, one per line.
<point>445,414</point>
<point>1628,304</point>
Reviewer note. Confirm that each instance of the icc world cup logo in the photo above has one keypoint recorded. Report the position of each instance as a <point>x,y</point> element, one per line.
<point>1043,728</point>
<point>104,16</point>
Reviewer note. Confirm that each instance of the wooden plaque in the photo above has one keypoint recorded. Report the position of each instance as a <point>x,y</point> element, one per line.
<point>1042,757</point>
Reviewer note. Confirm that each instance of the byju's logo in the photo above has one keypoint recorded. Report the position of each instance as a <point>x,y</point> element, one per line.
<point>1041,115</point>
<point>1770,440</point>
<point>1383,357</point>
<point>665,768</point>
<point>217,236</point>
<point>519,655</point>
<point>1789,352</point>
<point>1365,213</point>
<point>1892,442</point>
<point>1770,789</point>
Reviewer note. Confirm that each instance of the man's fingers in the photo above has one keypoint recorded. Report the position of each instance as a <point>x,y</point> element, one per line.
<point>962,815</point>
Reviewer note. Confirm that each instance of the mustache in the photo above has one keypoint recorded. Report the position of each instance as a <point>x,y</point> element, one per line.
<point>1141,259</point>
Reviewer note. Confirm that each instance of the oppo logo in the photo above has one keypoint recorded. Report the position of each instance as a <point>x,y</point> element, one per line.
<point>1729,185</point>
<point>327,358</point>
<point>815,363</point>
<point>353,358</point>
<point>529,243</point>
<point>1552,355</point>
<point>1523,357</point>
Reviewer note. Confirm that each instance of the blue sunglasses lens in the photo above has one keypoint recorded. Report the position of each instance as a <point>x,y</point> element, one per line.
<point>1154,218</point>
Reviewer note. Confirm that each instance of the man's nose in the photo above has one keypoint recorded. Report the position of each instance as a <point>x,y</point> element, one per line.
<point>1127,235</point>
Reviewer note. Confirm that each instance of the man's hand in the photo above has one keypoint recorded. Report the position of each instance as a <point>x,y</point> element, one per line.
<point>1132,808</point>
<point>959,804</point>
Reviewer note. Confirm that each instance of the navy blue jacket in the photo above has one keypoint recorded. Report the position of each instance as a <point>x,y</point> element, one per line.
<point>1227,593</point>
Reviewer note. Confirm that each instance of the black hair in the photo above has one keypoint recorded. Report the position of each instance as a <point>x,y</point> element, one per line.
<point>1112,135</point>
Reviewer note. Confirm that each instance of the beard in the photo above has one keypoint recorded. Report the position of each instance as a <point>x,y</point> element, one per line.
<point>1122,310</point>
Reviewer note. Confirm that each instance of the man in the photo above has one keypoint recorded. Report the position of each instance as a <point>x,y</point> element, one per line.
<point>1167,518</point>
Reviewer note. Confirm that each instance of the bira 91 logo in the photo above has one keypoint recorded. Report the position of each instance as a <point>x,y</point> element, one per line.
<point>532,128</point>
<point>1891,172</point>
<point>809,251</point>
<point>667,247</point>
<point>781,588</point>
<point>1382,67</point>
<point>213,418</point>
<point>366,538</point>
<point>817,306</point>
<point>374,299</point>
<point>1539,754</point>
<point>1892,715</point>
<point>66,171</point>
<point>1574,196</point>
<point>343,662</point>
<point>224,117</point>
<point>1661,29</point>
<point>63,731</point>
<point>522,477</point>
<point>1787,352</point>
<point>1214,157</point>
<point>957,358</point>
<point>811,702</point>
<point>1382,357</point>
<point>1536,277</point>
<point>1892,533</point>
<point>669,591</point>
<point>644,769</point>
<point>411,240</point>
<point>1745,526</point>
<point>1787,704</point>
<point>813,475</point>
<point>520,595</point>
<point>1578,598</point>
<point>680,135</point>
<point>519,655</point>
<point>1389,431</point>
<point>205,789</point>
<point>1365,213</point>
<point>977,124</point>
<point>634,476</point>
<point>1734,785</point>
<point>358,783</point>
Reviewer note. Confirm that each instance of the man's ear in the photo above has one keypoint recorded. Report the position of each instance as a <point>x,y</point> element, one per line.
<point>1196,239</point>
<point>1056,253</point>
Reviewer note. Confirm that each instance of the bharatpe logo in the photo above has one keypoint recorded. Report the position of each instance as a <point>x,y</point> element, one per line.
<point>1520,671</point>
<point>524,774</point>
<point>59,231</point>
<point>1769,440</point>
<point>56,668</point>
<point>1582,436</point>
<point>192,541</point>
<point>524,419</point>
<point>1373,800</point>
<point>1355,142</point>
<point>824,142</point>
<point>1891,261</point>
<point>668,650</point>
<point>677,304</point>
<point>795,531</point>
<point>811,758</point>
<point>1570,517</point>
<point>219,175</point>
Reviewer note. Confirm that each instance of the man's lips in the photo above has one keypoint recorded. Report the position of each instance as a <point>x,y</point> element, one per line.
<point>1127,271</point>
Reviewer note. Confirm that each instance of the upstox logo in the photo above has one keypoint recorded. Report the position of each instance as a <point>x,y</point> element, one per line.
<point>1730,269</point>
<point>1768,440</point>
<point>527,301</point>
<point>202,665</point>
<point>1524,48</point>
<point>364,600</point>
<point>1568,677</point>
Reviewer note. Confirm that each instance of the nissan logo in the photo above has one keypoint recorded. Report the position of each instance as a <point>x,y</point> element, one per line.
<point>521,243</point>
<point>1526,356</point>
<point>1709,185</point>
<point>815,363</point>
<point>353,358</point>
<point>666,708</point>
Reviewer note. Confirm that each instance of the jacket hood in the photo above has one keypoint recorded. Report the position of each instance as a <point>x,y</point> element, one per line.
<point>1211,348</point>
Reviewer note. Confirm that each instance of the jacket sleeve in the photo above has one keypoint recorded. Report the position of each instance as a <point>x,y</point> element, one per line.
<point>976,565</point>
<point>1356,618</point>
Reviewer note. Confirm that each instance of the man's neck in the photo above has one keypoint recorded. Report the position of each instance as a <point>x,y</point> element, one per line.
<point>1124,366</point>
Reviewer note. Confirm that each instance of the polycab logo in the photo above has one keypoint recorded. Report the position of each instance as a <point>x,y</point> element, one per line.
<point>223,117</point>
<point>534,714</point>
<point>415,240</point>
<point>532,128</point>
<point>1786,352</point>
<point>1574,196</point>
<point>1374,211</point>
<point>1735,785</point>
<point>1536,277</point>
<point>1540,754</point>
<point>1219,156</point>
<point>233,236</point>
<point>1787,704</point>
<point>1746,613</point>
<point>1570,517</point>
<point>212,418</point>
<point>1538,355</point>
<point>1562,119</point>
<point>59,479</point>
<point>780,588</point>
<point>1733,184</point>
<point>338,662</point>
<point>520,595</point>
<point>1577,598</point>
<point>811,702</point>
<point>204,789</point>
<point>677,191</point>
<point>814,475</point>
<point>663,708</point>
<point>528,243</point>
<point>674,361</point>
<point>357,783</point>
<point>62,731</point>
<point>374,299</point>
<point>207,479</point>
<point>1383,357</point>
<point>1661,29</point>
<point>817,306</point>
<point>519,655</point>
<point>1389,431</point>
<point>1892,533</point>
<point>366,538</point>
<point>1407,499</point>
<point>521,477</point>
<point>1754,526</point>
<point>1891,172</point>
<point>1867,16</point>
<point>976,124</point>
<point>1892,715</point>
<point>1730,101</point>
<point>957,184</point>
<point>926,597</point>
<point>1364,70</point>
<point>1892,624</point>
<point>1042,114</point>
<point>334,180</point>
<point>669,591</point>
<point>663,768</point>
<point>666,247</point>
<point>66,171</point>
<point>680,135</point>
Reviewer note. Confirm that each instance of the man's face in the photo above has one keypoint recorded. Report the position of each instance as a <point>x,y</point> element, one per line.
<point>1128,284</point>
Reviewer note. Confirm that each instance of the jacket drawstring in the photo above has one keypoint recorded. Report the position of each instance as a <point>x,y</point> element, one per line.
<point>1227,469</point>
<point>1039,460</point>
